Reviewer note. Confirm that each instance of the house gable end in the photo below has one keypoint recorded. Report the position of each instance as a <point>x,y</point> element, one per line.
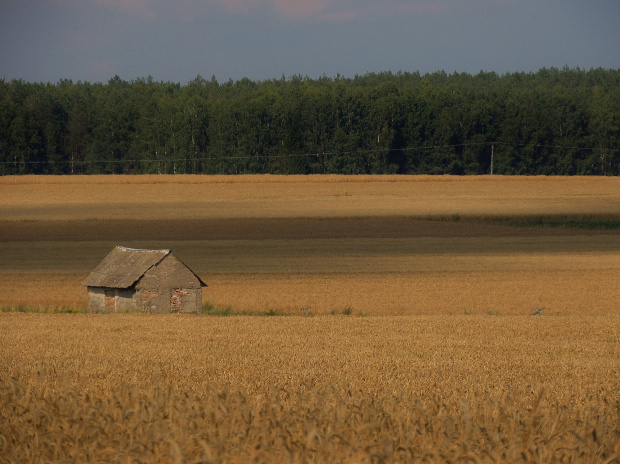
<point>170,272</point>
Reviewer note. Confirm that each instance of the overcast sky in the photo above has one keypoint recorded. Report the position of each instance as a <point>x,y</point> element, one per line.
<point>176,40</point>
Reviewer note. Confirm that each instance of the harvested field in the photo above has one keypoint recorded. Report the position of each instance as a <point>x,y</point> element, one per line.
<point>200,197</point>
<point>379,245</point>
<point>428,275</point>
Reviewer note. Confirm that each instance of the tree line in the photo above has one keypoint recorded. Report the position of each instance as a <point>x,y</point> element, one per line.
<point>552,122</point>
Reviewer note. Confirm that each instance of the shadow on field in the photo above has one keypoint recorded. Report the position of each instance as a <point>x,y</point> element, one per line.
<point>270,229</point>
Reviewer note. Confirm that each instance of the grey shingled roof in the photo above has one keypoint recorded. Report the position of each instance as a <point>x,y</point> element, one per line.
<point>123,267</point>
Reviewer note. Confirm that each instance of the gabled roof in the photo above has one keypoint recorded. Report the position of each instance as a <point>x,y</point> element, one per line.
<point>123,267</point>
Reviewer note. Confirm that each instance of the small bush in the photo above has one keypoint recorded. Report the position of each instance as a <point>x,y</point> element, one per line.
<point>347,311</point>
<point>209,309</point>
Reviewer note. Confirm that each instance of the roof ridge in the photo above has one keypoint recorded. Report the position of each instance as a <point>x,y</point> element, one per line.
<point>164,250</point>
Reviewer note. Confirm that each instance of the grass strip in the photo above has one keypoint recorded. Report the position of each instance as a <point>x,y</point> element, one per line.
<point>43,309</point>
<point>569,223</point>
<point>584,221</point>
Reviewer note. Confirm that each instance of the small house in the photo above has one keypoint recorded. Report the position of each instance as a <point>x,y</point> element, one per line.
<point>151,281</point>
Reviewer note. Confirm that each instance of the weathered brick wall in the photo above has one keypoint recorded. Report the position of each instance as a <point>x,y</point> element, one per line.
<point>166,287</point>
<point>170,287</point>
<point>96,300</point>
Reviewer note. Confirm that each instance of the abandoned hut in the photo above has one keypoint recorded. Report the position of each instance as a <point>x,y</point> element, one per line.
<point>152,281</point>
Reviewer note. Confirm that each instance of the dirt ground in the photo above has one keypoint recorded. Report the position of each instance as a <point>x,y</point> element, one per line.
<point>302,228</point>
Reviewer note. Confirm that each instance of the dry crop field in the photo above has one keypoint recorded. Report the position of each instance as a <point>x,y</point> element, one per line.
<point>182,388</point>
<point>382,245</point>
<point>420,346</point>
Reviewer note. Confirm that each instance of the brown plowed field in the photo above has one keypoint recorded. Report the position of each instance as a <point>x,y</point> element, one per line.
<point>380,245</point>
<point>266,229</point>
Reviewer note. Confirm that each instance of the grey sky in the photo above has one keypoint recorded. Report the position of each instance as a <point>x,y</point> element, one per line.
<point>93,40</point>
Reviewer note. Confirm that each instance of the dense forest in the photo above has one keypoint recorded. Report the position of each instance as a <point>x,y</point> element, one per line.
<point>553,122</point>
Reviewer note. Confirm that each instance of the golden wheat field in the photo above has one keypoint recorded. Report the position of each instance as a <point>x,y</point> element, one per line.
<point>141,388</point>
<point>418,345</point>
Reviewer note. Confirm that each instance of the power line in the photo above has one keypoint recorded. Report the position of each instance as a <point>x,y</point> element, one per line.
<point>295,155</point>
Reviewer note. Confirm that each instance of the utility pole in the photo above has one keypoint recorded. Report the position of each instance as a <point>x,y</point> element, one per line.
<point>492,149</point>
